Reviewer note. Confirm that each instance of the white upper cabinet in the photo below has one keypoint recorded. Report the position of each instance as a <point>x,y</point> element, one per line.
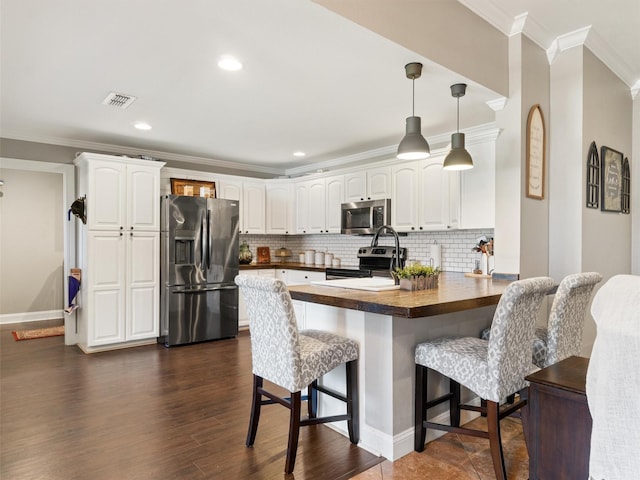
<point>424,196</point>
<point>477,195</point>
<point>369,184</point>
<point>318,203</point>
<point>334,196</point>
<point>280,207</point>
<point>121,193</point>
<point>253,207</point>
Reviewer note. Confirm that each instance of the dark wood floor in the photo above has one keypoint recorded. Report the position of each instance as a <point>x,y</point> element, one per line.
<point>148,413</point>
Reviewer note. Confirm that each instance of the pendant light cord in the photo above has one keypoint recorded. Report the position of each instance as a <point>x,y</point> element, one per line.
<point>413,97</point>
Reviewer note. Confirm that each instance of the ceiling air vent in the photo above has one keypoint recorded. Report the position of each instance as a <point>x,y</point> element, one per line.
<point>119,100</point>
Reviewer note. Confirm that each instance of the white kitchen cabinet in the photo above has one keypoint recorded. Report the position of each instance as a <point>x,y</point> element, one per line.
<point>243,315</point>
<point>424,196</point>
<point>334,196</point>
<point>368,184</point>
<point>478,188</point>
<point>318,203</point>
<point>121,193</point>
<point>280,208</point>
<point>251,196</point>
<point>299,277</point>
<point>253,207</point>
<point>119,257</point>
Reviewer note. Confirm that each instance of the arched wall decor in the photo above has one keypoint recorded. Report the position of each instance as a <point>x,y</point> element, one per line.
<point>626,187</point>
<point>593,177</point>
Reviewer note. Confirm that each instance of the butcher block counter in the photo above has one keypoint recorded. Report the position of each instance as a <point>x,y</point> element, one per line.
<point>455,293</point>
<point>387,326</point>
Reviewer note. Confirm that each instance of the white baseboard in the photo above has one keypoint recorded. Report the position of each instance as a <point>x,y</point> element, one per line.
<point>31,316</point>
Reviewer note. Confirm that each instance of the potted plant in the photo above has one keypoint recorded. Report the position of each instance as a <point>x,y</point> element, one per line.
<point>417,277</point>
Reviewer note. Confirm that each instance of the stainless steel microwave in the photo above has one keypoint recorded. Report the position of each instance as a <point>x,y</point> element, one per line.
<point>364,218</point>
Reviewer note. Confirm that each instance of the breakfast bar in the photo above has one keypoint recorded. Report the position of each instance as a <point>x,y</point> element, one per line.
<point>388,325</point>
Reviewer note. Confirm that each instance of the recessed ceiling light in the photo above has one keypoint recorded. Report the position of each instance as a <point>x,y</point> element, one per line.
<point>299,154</point>
<point>142,126</point>
<point>229,63</point>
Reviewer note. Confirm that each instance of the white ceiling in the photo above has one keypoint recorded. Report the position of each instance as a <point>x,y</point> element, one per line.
<point>312,81</point>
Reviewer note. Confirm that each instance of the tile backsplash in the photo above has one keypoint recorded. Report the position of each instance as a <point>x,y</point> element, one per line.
<point>457,255</point>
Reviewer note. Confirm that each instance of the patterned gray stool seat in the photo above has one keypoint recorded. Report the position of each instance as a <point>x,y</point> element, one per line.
<point>563,336</point>
<point>294,360</point>
<point>492,369</point>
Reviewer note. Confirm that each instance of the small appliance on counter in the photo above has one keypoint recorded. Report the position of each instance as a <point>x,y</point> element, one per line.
<point>264,255</point>
<point>282,254</point>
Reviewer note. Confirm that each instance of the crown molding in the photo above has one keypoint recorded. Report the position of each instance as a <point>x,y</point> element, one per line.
<point>119,149</point>
<point>497,104</point>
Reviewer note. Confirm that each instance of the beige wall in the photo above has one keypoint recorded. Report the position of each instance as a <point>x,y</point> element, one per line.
<point>31,242</point>
<point>443,31</point>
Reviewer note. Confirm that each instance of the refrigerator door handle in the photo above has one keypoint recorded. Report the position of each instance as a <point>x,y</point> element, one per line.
<point>208,289</point>
<point>209,252</point>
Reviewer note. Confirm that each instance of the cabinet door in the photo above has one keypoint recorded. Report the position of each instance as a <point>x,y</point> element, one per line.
<point>405,193</point>
<point>302,207</point>
<point>438,210</point>
<point>143,199</point>
<point>232,190</point>
<point>253,207</point>
<point>106,195</point>
<point>143,283</point>
<point>104,314</point>
<point>279,208</point>
<point>334,192</point>
<point>316,206</point>
<point>378,183</point>
<point>355,186</point>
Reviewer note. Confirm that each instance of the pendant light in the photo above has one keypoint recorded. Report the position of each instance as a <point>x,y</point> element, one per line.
<point>458,158</point>
<point>413,146</point>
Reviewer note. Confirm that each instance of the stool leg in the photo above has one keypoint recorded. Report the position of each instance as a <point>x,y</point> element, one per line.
<point>420,432</point>
<point>495,442</point>
<point>454,403</point>
<point>353,403</point>
<point>312,399</point>
<point>255,411</point>
<point>294,432</point>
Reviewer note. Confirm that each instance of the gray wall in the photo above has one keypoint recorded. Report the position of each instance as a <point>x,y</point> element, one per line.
<point>31,242</point>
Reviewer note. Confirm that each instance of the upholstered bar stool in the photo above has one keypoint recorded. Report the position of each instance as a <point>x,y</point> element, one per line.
<point>294,360</point>
<point>492,369</point>
<point>563,336</point>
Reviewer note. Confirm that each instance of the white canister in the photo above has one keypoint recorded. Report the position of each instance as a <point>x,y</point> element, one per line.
<point>309,257</point>
<point>328,259</point>
<point>301,257</point>
<point>319,258</point>
<point>335,262</point>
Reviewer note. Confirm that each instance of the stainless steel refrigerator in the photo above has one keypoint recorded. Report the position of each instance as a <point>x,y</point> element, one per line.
<point>199,261</point>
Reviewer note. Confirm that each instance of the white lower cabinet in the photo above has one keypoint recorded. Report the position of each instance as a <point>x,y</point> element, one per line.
<point>120,288</point>
<point>243,316</point>
<point>289,277</point>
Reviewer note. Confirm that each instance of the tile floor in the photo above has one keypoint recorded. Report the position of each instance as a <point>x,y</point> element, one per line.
<point>458,457</point>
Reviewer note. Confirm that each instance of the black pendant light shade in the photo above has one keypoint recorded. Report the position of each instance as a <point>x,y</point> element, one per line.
<point>413,146</point>
<point>458,158</point>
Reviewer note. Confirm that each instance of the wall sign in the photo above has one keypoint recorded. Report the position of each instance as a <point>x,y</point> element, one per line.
<point>536,146</point>
<point>611,185</point>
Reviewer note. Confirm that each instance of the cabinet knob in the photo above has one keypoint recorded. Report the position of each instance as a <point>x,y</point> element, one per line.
<point>420,228</point>
<point>120,233</point>
<point>121,227</point>
<point>413,228</point>
<point>361,198</point>
<point>131,227</point>
<point>368,198</point>
<point>131,234</point>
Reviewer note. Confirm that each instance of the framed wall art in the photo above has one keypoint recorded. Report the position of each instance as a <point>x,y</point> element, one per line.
<point>536,147</point>
<point>611,184</point>
<point>193,188</point>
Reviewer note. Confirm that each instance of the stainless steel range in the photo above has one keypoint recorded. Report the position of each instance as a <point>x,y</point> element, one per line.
<point>374,260</point>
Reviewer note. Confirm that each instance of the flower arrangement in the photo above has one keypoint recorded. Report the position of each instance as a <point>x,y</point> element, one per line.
<point>417,277</point>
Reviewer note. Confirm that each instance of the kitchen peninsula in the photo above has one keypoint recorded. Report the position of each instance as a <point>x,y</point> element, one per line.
<point>387,326</point>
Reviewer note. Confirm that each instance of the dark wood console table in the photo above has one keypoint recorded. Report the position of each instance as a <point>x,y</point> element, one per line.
<point>559,421</point>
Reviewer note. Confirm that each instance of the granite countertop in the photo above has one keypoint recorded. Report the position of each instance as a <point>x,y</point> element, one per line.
<point>455,293</point>
<point>289,265</point>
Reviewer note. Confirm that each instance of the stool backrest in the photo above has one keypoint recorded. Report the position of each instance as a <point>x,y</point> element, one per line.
<point>275,350</point>
<point>566,318</point>
<point>512,331</point>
